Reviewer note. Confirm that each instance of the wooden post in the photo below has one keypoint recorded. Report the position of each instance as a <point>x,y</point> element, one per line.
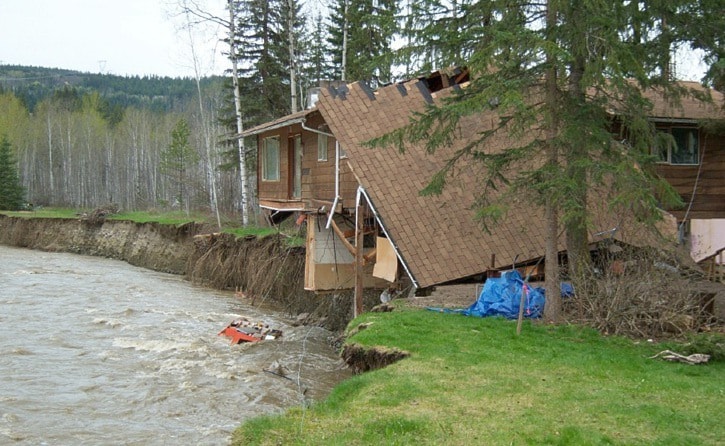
<point>521,310</point>
<point>358,308</point>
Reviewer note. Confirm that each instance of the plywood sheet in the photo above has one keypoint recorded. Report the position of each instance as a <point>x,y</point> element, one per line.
<point>386,261</point>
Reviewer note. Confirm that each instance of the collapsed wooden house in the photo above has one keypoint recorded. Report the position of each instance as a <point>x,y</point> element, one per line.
<point>367,224</point>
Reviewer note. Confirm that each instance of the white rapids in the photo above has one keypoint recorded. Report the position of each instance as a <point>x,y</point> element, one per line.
<point>95,351</point>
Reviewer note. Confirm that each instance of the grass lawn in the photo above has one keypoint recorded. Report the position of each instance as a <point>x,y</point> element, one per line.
<point>473,381</point>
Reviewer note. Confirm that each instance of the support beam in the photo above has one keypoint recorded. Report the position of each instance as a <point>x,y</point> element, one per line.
<point>358,308</point>
<point>344,241</point>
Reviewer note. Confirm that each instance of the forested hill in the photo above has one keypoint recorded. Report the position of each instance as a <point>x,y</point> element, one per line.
<point>33,84</point>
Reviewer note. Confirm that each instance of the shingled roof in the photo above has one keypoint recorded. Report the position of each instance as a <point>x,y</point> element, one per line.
<point>437,236</point>
<point>687,107</point>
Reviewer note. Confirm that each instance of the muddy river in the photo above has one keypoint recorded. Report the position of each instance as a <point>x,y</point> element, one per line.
<point>95,351</point>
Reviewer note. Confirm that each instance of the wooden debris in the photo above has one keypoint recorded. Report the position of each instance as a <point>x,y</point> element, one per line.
<point>695,358</point>
<point>382,308</point>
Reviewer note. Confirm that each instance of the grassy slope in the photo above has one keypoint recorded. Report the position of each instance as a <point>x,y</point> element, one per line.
<point>473,381</point>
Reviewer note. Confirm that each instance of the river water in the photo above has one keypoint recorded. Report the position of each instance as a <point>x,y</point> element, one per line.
<point>95,351</point>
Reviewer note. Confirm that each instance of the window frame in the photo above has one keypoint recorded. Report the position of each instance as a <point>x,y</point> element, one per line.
<point>665,154</point>
<point>323,144</point>
<point>265,167</point>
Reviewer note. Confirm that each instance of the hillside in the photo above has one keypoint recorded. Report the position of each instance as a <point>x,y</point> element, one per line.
<point>158,93</point>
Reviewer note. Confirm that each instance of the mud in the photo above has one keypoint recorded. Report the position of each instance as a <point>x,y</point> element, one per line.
<point>361,359</point>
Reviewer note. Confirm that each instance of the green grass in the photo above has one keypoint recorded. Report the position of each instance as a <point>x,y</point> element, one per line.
<point>293,237</point>
<point>473,381</point>
<point>174,218</point>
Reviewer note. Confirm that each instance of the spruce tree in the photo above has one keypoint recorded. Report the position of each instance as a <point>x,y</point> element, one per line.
<point>314,63</point>
<point>362,30</point>
<point>11,190</point>
<point>264,60</point>
<point>178,159</point>
<point>441,33</point>
<point>264,56</point>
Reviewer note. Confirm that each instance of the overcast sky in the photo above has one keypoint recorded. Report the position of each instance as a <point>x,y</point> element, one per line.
<point>124,37</point>
<point>131,37</point>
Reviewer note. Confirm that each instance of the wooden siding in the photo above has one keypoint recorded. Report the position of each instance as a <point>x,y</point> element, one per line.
<point>709,201</point>
<point>318,177</point>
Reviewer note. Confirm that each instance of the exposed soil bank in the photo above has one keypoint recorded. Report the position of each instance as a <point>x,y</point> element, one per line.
<point>264,271</point>
<point>149,245</point>
<point>362,359</point>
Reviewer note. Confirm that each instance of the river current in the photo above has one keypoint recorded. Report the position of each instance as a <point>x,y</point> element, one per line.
<point>95,351</point>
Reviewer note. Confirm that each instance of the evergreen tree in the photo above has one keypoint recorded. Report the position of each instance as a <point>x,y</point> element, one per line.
<point>362,30</point>
<point>178,159</point>
<point>566,79</point>
<point>441,33</point>
<point>263,59</point>
<point>314,64</point>
<point>11,190</point>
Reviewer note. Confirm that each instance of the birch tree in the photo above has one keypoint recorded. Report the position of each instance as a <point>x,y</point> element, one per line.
<point>193,9</point>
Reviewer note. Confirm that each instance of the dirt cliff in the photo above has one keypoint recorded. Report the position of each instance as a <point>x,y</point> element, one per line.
<point>149,245</point>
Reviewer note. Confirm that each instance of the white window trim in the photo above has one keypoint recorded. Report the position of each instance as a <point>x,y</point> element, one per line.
<point>322,152</point>
<point>265,177</point>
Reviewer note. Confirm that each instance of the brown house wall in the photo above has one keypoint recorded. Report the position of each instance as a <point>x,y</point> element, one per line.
<point>276,190</point>
<point>318,177</point>
<point>709,201</point>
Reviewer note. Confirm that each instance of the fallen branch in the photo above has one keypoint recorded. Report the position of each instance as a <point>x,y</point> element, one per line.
<point>695,358</point>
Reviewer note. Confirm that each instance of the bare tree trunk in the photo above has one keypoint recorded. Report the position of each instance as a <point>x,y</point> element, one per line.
<point>230,26</point>
<point>345,27</point>
<point>206,129</point>
<point>51,180</point>
<point>552,310</point>
<point>292,61</point>
<point>244,180</point>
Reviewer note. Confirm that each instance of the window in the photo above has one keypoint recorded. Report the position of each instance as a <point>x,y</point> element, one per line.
<point>321,146</point>
<point>681,146</point>
<point>270,159</point>
<point>297,167</point>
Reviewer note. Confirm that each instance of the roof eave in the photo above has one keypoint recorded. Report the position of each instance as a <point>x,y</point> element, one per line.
<point>670,120</point>
<point>258,130</point>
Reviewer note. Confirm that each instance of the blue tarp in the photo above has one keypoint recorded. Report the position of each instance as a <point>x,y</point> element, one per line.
<point>502,297</point>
